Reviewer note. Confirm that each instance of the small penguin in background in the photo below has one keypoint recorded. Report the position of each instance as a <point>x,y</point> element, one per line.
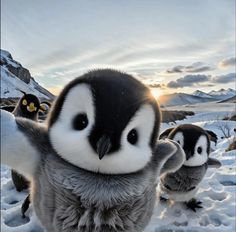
<point>182,185</point>
<point>94,166</point>
<point>28,107</point>
<point>43,112</point>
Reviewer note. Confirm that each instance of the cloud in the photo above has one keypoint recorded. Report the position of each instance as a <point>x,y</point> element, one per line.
<point>194,68</point>
<point>156,85</point>
<point>188,80</point>
<point>223,79</point>
<point>229,62</point>
<point>176,69</point>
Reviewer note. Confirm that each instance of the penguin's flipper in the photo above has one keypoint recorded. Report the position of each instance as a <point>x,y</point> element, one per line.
<point>19,181</point>
<point>213,163</point>
<point>17,151</point>
<point>193,204</point>
<point>25,206</point>
<point>170,156</point>
<point>166,133</point>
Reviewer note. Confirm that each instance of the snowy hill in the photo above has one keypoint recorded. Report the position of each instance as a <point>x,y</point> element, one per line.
<point>182,99</point>
<point>231,99</point>
<point>15,77</point>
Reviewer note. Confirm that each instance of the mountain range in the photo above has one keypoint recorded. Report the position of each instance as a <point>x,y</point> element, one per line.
<point>222,95</point>
<point>14,77</point>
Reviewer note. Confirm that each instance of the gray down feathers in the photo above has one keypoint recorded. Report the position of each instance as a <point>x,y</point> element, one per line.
<point>67,198</point>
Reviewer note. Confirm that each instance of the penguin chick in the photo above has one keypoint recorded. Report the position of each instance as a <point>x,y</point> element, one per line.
<point>95,165</point>
<point>43,112</point>
<point>28,107</point>
<point>182,185</point>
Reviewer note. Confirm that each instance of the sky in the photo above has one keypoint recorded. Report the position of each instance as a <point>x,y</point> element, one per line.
<point>171,45</point>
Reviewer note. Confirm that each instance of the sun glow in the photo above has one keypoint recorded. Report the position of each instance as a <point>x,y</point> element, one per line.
<point>156,93</point>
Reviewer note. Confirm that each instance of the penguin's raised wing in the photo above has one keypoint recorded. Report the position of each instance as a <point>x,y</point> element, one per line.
<point>166,133</point>
<point>213,163</point>
<point>17,150</point>
<point>170,156</point>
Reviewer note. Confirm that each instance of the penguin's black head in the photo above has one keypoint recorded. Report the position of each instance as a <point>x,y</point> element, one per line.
<point>105,121</point>
<point>195,142</point>
<point>193,139</point>
<point>29,105</point>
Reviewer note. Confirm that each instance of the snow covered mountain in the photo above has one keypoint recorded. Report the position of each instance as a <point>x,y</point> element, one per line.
<point>199,93</point>
<point>223,94</point>
<point>15,77</point>
<point>196,97</point>
<point>182,99</point>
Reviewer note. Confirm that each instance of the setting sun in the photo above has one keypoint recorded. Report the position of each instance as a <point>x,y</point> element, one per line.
<point>156,92</point>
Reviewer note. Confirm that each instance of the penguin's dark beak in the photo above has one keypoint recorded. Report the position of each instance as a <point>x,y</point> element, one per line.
<point>103,146</point>
<point>188,155</point>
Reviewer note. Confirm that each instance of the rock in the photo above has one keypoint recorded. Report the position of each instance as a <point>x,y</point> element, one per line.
<point>21,73</point>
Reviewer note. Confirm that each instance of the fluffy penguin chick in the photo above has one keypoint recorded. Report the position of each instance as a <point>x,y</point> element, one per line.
<point>28,107</point>
<point>182,185</point>
<point>95,166</point>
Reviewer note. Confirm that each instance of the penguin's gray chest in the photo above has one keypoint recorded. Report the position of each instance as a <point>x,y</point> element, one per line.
<point>69,201</point>
<point>185,179</point>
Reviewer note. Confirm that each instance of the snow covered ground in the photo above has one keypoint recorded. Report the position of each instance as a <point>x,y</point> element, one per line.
<point>217,190</point>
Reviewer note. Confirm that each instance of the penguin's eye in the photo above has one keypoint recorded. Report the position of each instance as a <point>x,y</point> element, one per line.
<point>199,150</point>
<point>132,136</point>
<point>24,102</point>
<point>80,122</point>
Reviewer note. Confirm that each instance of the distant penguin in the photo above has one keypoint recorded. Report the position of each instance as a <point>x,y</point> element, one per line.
<point>44,112</point>
<point>95,165</point>
<point>182,185</point>
<point>28,107</point>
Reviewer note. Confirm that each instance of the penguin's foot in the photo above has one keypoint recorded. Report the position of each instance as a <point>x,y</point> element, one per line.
<point>163,199</point>
<point>25,206</point>
<point>193,204</point>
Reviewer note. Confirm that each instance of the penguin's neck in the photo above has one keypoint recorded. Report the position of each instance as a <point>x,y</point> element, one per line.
<point>96,188</point>
<point>21,113</point>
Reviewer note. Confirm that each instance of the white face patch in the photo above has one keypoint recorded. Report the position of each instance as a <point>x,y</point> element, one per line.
<point>74,146</point>
<point>200,153</point>
<point>179,138</point>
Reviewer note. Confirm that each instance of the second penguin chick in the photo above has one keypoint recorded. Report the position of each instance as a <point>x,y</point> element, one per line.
<point>27,107</point>
<point>182,185</point>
